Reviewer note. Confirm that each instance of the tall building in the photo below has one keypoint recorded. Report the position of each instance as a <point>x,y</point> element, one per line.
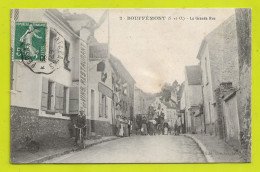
<point>191,101</point>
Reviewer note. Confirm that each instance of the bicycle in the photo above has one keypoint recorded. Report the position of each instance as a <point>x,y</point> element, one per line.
<point>80,135</point>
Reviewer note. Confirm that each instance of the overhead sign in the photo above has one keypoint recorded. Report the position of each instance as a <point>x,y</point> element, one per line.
<point>99,51</point>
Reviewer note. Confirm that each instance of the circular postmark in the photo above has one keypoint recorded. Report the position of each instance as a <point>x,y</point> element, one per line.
<point>30,48</point>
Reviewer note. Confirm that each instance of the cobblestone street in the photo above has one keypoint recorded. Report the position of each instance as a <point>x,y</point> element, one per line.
<point>139,149</point>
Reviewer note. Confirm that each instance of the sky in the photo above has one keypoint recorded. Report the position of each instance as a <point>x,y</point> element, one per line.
<point>156,51</point>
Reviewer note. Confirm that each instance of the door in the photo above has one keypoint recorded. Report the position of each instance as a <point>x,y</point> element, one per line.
<point>92,111</point>
<point>232,121</point>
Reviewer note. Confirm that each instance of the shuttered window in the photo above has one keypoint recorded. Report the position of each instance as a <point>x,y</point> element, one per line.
<point>52,45</point>
<point>65,97</point>
<point>59,89</point>
<point>54,96</point>
<point>44,94</point>
<point>50,95</point>
<point>102,105</point>
<point>66,55</point>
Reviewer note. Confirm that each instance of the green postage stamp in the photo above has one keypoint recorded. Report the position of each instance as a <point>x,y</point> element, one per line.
<point>30,41</point>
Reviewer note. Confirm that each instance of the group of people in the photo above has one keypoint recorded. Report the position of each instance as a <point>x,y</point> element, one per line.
<point>123,126</point>
<point>159,126</point>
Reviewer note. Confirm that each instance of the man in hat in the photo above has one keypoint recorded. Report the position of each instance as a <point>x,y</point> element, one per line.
<point>80,125</point>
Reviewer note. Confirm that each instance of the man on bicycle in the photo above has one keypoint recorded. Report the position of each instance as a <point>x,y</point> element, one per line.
<point>80,125</point>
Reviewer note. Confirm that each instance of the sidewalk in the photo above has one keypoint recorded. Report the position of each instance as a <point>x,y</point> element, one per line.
<point>215,150</point>
<point>48,150</point>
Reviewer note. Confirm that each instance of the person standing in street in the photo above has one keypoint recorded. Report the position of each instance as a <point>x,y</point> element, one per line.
<point>80,125</point>
<point>129,127</point>
<point>178,125</point>
<point>144,126</point>
<point>117,125</point>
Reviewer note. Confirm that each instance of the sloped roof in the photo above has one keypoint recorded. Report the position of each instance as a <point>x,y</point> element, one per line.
<point>60,17</point>
<point>119,68</point>
<point>193,75</point>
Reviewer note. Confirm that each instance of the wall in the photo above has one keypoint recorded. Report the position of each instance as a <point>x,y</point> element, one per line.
<point>243,23</point>
<point>25,122</point>
<point>29,95</point>
<point>27,119</point>
<point>222,57</point>
<point>103,125</point>
<point>207,91</point>
<point>195,94</point>
<point>232,121</point>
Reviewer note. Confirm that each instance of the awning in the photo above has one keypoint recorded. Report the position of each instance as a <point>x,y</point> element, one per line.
<point>105,90</point>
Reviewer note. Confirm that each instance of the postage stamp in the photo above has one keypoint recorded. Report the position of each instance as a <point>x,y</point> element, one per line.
<point>31,45</point>
<point>30,41</point>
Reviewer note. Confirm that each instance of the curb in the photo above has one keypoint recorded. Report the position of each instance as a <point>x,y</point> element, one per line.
<point>40,160</point>
<point>204,150</point>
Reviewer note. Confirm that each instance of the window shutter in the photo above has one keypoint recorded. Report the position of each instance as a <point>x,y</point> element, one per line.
<point>44,97</point>
<point>61,94</point>
<point>73,100</point>
<point>106,111</point>
<point>59,98</point>
<point>100,104</point>
<point>57,89</point>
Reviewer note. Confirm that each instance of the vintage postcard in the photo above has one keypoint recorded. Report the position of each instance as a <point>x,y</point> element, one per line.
<point>130,85</point>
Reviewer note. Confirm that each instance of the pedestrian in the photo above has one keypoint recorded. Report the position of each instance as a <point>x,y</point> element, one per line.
<point>165,128</point>
<point>117,125</point>
<point>178,125</point>
<point>129,127</point>
<point>175,127</point>
<point>80,125</point>
<point>121,130</point>
<point>144,127</point>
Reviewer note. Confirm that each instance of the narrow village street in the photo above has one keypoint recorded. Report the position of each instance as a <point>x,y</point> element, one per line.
<point>115,90</point>
<point>136,149</point>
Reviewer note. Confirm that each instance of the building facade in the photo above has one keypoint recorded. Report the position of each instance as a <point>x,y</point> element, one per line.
<point>89,79</point>
<point>225,61</point>
<point>192,101</point>
<point>219,64</point>
<point>100,100</point>
<point>41,104</point>
<point>243,24</point>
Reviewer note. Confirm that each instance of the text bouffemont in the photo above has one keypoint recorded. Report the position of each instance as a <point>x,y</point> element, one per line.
<point>146,17</point>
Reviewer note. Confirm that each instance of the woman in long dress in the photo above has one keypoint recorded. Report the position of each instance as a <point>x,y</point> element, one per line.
<point>144,127</point>
<point>121,131</point>
<point>27,39</point>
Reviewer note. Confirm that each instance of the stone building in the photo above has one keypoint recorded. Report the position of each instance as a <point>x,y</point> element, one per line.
<point>123,89</point>
<point>225,60</point>
<point>192,101</point>
<point>42,104</point>
<point>111,92</point>
<point>166,109</point>
<point>219,64</point>
<point>243,24</point>
<point>100,97</point>
<point>142,101</point>
<point>140,104</point>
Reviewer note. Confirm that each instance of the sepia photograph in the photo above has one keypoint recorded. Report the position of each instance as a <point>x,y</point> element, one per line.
<point>130,86</point>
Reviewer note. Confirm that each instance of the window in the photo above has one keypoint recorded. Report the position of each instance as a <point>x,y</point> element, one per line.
<point>206,70</point>
<point>102,105</point>
<point>66,55</point>
<point>65,97</point>
<point>50,101</point>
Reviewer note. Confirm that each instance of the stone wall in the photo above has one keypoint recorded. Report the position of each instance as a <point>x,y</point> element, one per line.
<point>243,24</point>
<point>103,128</point>
<point>26,122</point>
